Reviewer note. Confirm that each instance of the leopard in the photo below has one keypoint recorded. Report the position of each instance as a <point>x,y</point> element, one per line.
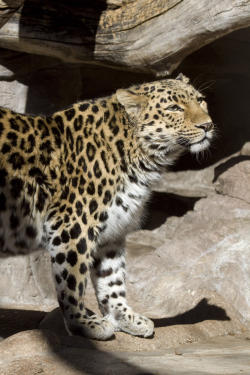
<point>76,182</point>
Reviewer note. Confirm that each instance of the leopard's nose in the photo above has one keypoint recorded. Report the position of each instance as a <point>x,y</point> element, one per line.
<point>206,126</point>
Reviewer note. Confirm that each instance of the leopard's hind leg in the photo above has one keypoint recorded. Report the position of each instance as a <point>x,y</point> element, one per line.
<point>21,224</point>
<point>70,249</point>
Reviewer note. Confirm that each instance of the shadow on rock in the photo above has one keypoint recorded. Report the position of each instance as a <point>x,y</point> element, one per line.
<point>45,351</point>
<point>202,311</point>
<point>13,321</point>
<point>83,357</point>
<point>223,167</point>
<point>164,205</point>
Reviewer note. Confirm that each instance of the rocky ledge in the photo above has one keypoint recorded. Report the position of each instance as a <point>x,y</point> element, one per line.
<point>42,352</point>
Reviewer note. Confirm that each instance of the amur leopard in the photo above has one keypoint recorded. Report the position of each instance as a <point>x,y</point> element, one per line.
<point>76,183</point>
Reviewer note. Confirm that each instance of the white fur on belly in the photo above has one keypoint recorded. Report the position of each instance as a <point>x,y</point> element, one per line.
<point>126,216</point>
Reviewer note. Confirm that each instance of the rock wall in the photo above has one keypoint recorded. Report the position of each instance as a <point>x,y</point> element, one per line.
<point>193,253</point>
<point>203,254</point>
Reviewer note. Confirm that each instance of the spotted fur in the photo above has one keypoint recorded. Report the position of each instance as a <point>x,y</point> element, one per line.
<point>76,183</point>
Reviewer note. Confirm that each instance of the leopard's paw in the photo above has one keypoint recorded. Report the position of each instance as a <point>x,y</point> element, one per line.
<point>133,323</point>
<point>91,327</point>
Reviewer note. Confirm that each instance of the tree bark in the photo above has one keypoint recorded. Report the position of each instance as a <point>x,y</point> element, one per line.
<point>141,35</point>
<point>8,8</point>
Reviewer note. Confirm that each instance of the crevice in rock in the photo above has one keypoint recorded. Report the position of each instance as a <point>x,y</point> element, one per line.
<point>232,196</point>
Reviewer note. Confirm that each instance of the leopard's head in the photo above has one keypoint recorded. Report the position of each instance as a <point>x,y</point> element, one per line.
<point>169,116</point>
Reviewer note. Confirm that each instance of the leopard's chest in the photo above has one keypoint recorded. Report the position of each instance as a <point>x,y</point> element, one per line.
<point>125,212</point>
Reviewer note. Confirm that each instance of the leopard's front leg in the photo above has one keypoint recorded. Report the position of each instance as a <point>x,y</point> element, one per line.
<point>70,249</point>
<point>108,277</point>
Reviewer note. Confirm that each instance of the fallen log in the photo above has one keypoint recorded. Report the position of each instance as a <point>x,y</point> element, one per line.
<point>141,35</point>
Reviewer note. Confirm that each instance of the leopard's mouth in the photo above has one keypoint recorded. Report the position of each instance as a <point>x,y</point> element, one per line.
<point>197,146</point>
<point>200,146</point>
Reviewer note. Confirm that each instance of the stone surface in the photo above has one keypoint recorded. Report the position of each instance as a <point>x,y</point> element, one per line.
<point>234,182</point>
<point>26,282</point>
<point>207,320</point>
<point>198,183</point>
<point>245,149</point>
<point>205,251</point>
<point>35,352</point>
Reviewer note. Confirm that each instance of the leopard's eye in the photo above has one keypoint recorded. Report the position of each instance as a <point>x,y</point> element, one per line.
<point>174,108</point>
<point>200,99</point>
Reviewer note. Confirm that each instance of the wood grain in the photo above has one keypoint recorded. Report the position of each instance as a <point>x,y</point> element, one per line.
<point>141,35</point>
<point>8,8</point>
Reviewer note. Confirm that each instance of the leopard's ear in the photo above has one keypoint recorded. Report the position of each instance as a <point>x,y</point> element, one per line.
<point>133,103</point>
<point>183,78</point>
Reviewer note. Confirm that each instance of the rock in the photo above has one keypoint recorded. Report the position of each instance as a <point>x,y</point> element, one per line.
<point>235,181</point>
<point>194,326</point>
<point>36,84</point>
<point>40,352</point>
<point>204,254</point>
<point>199,183</point>
<point>187,183</point>
<point>26,282</point>
<point>245,149</point>
<point>13,92</point>
<point>28,343</point>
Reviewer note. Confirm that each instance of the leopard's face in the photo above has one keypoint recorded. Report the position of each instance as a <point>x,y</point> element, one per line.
<point>169,115</point>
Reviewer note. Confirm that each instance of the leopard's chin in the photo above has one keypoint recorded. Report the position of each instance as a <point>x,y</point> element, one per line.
<point>199,146</point>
